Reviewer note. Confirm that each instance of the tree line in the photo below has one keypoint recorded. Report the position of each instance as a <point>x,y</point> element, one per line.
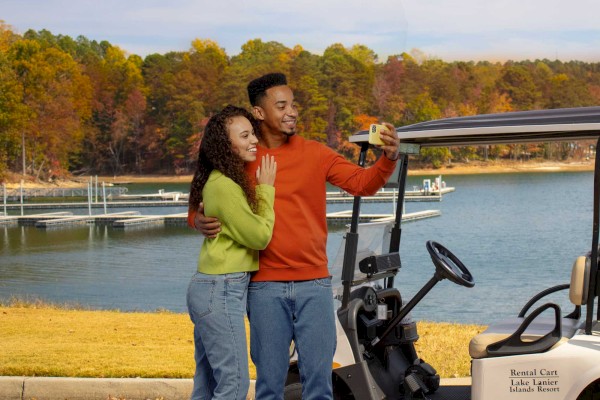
<point>87,107</point>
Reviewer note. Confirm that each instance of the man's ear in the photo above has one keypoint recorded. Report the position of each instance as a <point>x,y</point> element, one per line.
<point>258,113</point>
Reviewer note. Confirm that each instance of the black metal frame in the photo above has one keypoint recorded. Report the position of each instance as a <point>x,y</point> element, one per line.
<point>594,277</point>
<point>351,247</point>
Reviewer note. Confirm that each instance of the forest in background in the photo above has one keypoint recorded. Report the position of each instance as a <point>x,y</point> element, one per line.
<point>79,106</point>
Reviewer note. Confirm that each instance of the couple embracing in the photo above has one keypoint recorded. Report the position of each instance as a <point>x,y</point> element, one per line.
<point>258,196</point>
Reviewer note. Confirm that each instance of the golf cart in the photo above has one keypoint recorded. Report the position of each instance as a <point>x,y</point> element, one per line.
<point>544,352</point>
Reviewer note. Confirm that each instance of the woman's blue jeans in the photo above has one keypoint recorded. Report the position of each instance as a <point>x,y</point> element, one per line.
<point>217,305</point>
<point>280,312</point>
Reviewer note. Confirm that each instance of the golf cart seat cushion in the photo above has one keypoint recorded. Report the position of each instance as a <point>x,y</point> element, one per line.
<point>543,324</point>
<point>580,280</point>
<point>503,329</point>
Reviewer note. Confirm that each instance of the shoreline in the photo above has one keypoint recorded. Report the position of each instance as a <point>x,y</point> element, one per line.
<point>472,168</point>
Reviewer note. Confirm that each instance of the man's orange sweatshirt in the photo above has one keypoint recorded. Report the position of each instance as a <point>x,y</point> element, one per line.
<point>297,250</point>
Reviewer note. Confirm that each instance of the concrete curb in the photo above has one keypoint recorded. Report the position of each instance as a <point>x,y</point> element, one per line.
<point>45,388</point>
<point>11,387</point>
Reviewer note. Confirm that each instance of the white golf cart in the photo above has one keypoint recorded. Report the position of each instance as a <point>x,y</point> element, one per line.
<point>531,356</point>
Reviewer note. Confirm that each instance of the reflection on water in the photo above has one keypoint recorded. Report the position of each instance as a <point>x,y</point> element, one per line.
<point>517,233</point>
<point>140,268</point>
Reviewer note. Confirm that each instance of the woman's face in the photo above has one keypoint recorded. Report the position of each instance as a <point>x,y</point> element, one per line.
<point>242,137</point>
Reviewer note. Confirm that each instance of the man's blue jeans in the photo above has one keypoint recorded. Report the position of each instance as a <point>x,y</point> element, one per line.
<point>217,305</point>
<point>280,312</point>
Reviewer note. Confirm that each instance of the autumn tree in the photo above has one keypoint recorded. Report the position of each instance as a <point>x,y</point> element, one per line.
<point>255,59</point>
<point>347,82</point>
<point>57,96</point>
<point>86,106</point>
<point>184,89</point>
<point>387,90</point>
<point>517,83</point>
<point>312,103</point>
<point>118,109</point>
<point>13,114</point>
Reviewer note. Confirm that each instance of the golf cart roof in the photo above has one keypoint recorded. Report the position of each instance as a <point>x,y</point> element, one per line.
<point>512,127</point>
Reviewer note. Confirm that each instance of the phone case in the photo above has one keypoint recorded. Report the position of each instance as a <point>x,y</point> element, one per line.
<point>374,131</point>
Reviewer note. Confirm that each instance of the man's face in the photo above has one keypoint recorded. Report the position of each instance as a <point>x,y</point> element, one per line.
<point>277,111</point>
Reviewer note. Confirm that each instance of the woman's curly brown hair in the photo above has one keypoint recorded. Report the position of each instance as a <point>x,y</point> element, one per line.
<point>216,153</point>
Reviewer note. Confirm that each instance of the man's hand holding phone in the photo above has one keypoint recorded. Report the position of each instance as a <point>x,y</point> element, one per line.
<point>384,136</point>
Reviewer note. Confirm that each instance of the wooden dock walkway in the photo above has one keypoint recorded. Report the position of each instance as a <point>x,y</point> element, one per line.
<point>109,204</point>
<point>84,219</point>
<point>70,220</point>
<point>344,217</point>
<point>31,219</point>
<point>175,199</point>
<point>171,219</point>
<point>128,219</point>
<point>385,196</point>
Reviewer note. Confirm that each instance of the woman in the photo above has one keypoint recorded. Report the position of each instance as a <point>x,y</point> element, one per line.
<point>216,296</point>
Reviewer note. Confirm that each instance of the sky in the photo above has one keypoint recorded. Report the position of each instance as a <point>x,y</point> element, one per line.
<point>450,30</point>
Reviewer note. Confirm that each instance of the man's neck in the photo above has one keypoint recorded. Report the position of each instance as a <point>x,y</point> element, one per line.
<point>272,140</point>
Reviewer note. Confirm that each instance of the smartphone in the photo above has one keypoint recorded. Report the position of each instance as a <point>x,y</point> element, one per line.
<point>374,131</point>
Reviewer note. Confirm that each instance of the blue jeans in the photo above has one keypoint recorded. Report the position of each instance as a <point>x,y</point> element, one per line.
<point>280,312</point>
<point>217,304</point>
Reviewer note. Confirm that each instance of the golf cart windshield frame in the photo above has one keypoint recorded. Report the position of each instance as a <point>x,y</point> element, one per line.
<point>506,128</point>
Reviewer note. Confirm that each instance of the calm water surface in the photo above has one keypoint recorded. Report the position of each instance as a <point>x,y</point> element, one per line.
<point>517,233</point>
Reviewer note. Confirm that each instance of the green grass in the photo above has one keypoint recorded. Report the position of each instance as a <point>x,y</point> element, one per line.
<point>40,339</point>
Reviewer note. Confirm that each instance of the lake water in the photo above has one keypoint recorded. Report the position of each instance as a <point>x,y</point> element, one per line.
<point>517,233</point>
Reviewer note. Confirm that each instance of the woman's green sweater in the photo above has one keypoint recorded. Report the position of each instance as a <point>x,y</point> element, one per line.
<point>243,233</point>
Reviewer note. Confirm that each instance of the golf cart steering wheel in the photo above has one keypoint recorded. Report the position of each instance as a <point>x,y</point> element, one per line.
<point>448,265</point>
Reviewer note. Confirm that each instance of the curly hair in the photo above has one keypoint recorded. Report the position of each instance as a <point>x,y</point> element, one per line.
<point>216,152</point>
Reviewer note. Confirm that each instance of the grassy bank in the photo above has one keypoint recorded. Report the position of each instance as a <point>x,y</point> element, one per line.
<point>47,340</point>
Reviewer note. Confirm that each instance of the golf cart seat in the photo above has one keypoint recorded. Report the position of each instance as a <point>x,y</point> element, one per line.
<point>534,333</point>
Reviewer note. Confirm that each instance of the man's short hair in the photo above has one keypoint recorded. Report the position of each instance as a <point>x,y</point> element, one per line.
<point>257,89</point>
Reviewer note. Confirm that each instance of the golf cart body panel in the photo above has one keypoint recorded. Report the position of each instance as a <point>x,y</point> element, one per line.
<point>561,373</point>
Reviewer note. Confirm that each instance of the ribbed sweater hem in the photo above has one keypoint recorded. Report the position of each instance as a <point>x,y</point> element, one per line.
<point>287,273</point>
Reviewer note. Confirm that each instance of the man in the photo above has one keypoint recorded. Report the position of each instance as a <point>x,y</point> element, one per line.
<point>290,297</point>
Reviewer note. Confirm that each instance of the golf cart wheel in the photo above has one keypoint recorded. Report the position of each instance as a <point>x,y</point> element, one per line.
<point>293,391</point>
<point>591,392</point>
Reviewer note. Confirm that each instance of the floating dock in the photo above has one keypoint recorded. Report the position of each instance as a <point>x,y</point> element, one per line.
<point>108,204</point>
<point>161,196</point>
<point>180,199</point>
<point>127,219</point>
<point>171,219</point>
<point>105,219</point>
<point>30,193</point>
<point>31,219</point>
<point>345,217</point>
<point>385,196</point>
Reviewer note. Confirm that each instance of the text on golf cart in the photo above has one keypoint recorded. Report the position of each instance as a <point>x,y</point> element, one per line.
<point>533,372</point>
<point>533,380</point>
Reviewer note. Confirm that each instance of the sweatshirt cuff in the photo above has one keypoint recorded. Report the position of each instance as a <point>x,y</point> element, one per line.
<point>191,219</point>
<point>386,163</point>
